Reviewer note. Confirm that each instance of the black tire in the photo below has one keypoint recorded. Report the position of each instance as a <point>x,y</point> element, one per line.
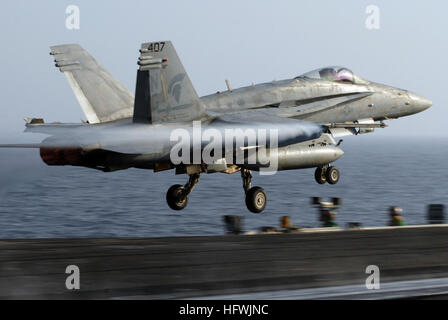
<point>320,176</point>
<point>173,198</point>
<point>256,199</point>
<point>332,175</point>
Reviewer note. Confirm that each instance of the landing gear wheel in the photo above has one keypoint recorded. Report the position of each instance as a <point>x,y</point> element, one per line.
<point>256,199</point>
<point>319,175</point>
<point>332,175</point>
<point>175,198</point>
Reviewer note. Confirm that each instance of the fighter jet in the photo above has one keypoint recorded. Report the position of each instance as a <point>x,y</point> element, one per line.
<point>281,125</point>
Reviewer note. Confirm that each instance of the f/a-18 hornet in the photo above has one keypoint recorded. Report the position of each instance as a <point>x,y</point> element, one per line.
<point>281,125</point>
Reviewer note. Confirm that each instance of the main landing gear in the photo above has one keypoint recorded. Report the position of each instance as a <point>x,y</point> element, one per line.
<point>177,195</point>
<point>328,174</point>
<point>255,196</point>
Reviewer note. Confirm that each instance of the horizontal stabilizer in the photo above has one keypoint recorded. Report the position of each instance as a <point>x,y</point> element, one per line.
<point>21,145</point>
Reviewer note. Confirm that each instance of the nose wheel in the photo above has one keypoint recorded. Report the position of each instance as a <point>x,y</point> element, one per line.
<point>328,174</point>
<point>319,175</point>
<point>255,196</point>
<point>332,175</point>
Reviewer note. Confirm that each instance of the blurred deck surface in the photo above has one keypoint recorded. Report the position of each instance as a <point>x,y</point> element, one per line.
<point>183,267</point>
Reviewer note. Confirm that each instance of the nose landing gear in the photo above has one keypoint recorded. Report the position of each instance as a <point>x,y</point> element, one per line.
<point>328,174</point>
<point>319,175</point>
<point>332,175</point>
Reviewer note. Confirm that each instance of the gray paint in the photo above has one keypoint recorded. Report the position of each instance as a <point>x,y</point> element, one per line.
<point>301,109</point>
<point>101,96</point>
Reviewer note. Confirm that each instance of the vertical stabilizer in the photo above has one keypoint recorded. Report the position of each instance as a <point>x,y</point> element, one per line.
<point>164,92</point>
<point>101,96</point>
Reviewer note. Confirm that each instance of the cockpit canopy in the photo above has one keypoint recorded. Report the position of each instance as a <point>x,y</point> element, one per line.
<point>335,74</point>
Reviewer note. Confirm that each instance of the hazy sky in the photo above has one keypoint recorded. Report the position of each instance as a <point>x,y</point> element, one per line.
<point>244,41</point>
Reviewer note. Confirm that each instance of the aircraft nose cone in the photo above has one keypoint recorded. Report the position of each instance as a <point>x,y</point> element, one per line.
<point>419,103</point>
